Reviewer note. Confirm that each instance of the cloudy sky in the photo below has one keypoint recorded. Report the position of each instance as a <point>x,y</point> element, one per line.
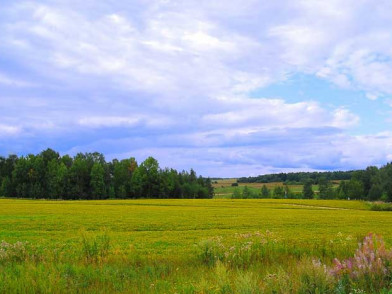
<point>230,88</point>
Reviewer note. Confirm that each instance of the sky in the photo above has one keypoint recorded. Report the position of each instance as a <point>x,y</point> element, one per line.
<point>228,88</point>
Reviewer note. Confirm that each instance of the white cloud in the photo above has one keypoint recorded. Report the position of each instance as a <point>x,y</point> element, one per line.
<point>8,81</point>
<point>276,113</point>
<point>372,96</point>
<point>344,118</point>
<point>97,122</point>
<point>184,45</point>
<point>7,130</point>
<point>174,79</point>
<point>265,153</point>
<point>121,121</point>
<point>196,31</point>
<point>170,52</point>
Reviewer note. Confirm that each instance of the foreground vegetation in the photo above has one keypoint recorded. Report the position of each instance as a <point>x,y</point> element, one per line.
<point>194,246</point>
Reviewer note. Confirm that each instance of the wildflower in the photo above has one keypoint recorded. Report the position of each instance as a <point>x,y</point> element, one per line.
<point>12,252</point>
<point>370,259</point>
<point>316,262</point>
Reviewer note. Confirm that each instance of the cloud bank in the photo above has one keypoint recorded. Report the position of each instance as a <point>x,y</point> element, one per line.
<point>177,80</point>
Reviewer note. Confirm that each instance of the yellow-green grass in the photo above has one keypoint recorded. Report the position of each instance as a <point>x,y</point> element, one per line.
<point>167,226</point>
<point>164,235</point>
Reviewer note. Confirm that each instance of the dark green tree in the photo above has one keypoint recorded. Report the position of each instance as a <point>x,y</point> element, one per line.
<point>79,178</point>
<point>355,189</point>
<point>210,188</point>
<point>342,190</point>
<point>236,194</point>
<point>265,192</point>
<point>386,178</point>
<point>6,187</point>
<point>98,181</point>
<point>325,189</point>
<point>367,178</point>
<point>246,193</point>
<point>375,192</point>
<point>53,181</point>
<point>20,177</point>
<point>278,192</point>
<point>146,179</point>
<point>307,191</point>
<point>88,176</point>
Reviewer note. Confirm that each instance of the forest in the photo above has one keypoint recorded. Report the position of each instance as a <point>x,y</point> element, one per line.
<point>298,177</point>
<point>370,184</point>
<point>88,176</point>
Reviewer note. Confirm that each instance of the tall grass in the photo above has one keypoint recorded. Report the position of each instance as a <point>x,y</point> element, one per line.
<point>156,246</point>
<point>95,248</point>
<point>267,248</point>
<point>253,263</point>
<point>368,271</point>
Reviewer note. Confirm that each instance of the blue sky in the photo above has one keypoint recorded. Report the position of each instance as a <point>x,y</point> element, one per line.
<point>229,88</point>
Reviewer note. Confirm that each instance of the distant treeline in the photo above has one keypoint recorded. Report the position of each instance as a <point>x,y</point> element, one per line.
<point>298,178</point>
<point>370,184</point>
<point>89,176</point>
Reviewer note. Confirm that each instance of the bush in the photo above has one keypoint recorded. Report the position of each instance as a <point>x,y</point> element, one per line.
<point>247,249</point>
<point>211,250</point>
<point>13,252</point>
<point>380,206</point>
<point>246,283</point>
<point>246,193</point>
<point>95,248</point>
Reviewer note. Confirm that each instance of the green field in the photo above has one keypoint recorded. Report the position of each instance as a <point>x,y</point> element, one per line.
<point>154,246</point>
<point>223,188</point>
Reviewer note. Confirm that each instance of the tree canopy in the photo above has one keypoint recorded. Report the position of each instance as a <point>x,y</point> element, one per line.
<point>89,176</point>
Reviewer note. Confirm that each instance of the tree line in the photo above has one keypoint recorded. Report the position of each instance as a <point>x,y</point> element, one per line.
<point>89,176</point>
<point>298,177</point>
<point>370,184</point>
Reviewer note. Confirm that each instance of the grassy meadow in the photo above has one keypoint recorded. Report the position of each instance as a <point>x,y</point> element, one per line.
<point>223,187</point>
<point>183,246</point>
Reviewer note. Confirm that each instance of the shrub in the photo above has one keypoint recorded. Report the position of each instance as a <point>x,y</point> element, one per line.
<point>236,194</point>
<point>223,281</point>
<point>279,282</point>
<point>380,206</point>
<point>95,248</point>
<point>211,250</point>
<point>13,252</point>
<point>246,284</point>
<point>314,277</point>
<point>246,193</point>
<point>247,249</point>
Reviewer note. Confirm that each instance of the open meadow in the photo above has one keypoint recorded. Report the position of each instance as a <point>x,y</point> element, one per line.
<point>183,246</point>
<point>224,188</point>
